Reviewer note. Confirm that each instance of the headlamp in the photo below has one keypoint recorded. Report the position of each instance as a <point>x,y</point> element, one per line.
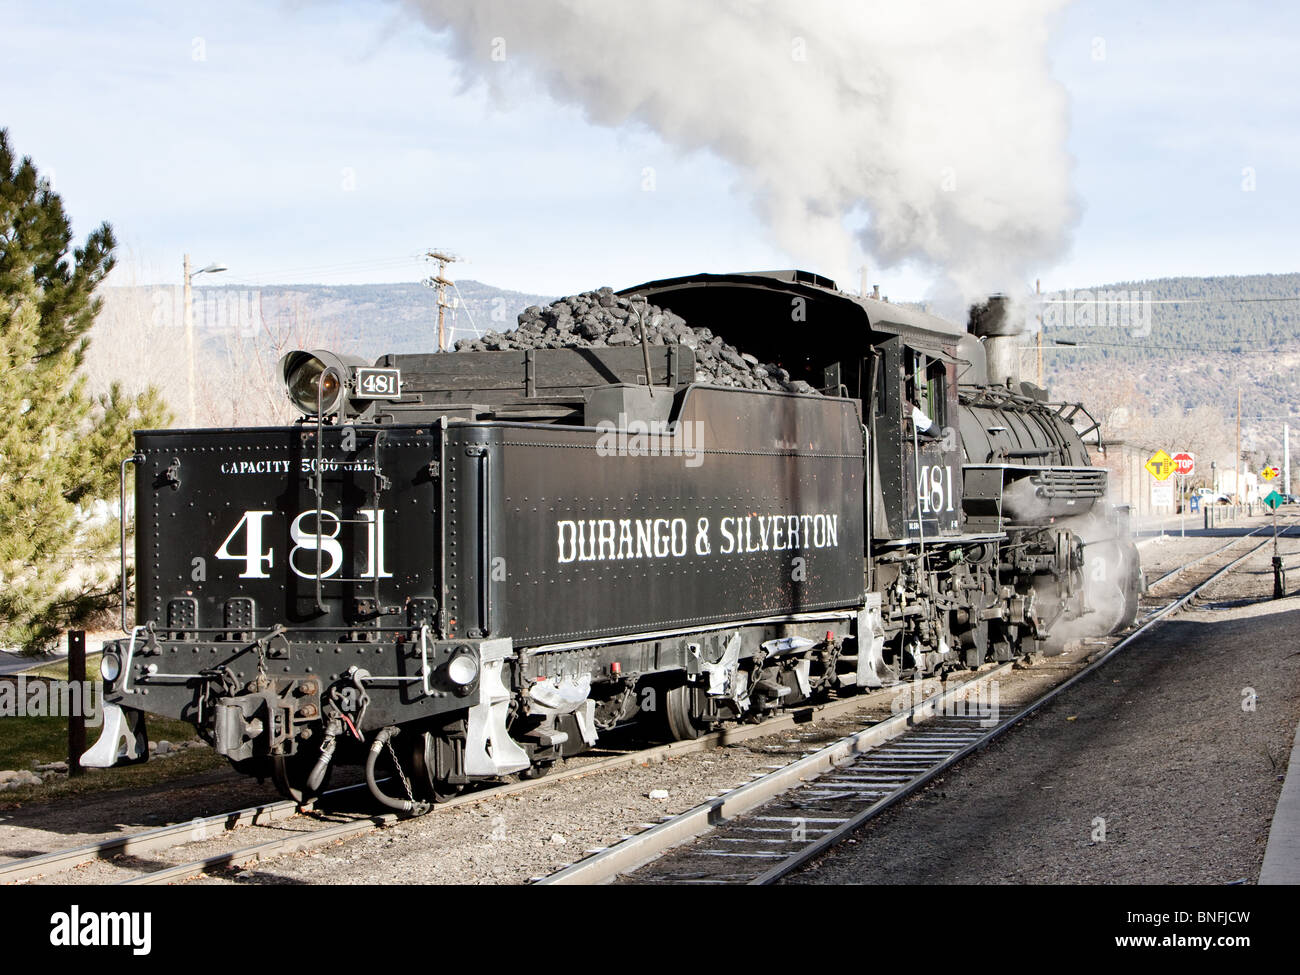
<point>316,381</point>
<point>462,668</point>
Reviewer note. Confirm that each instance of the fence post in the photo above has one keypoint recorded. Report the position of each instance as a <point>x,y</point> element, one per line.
<point>77,720</point>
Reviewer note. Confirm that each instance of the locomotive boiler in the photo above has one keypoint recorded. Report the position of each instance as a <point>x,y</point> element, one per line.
<point>461,566</point>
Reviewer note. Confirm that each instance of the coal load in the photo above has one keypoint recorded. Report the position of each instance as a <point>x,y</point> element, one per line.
<point>602,318</point>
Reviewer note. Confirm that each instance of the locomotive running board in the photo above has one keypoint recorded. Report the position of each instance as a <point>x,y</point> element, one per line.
<point>847,614</point>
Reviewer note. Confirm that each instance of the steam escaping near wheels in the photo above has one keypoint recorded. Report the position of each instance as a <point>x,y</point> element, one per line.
<point>1111,578</point>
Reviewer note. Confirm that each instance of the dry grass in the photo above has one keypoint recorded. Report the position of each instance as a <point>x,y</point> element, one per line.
<point>28,741</point>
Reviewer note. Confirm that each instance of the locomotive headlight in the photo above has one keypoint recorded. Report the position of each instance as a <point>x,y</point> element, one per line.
<point>110,666</point>
<point>315,380</point>
<point>462,668</point>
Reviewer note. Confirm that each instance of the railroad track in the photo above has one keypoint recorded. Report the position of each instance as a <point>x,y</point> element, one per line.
<point>295,832</point>
<point>767,828</point>
<point>1179,570</point>
<point>298,832</point>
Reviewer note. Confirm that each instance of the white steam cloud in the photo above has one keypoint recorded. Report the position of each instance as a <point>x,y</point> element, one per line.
<point>939,121</point>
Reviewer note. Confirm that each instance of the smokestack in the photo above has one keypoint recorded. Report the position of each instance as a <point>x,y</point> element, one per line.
<point>875,291</point>
<point>989,321</point>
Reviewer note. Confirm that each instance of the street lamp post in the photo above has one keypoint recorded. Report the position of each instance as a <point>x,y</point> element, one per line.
<point>189,330</point>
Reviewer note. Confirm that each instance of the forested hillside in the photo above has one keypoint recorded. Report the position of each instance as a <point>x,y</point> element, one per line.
<point>1219,315</point>
<point>1175,363</point>
<point>1208,339</point>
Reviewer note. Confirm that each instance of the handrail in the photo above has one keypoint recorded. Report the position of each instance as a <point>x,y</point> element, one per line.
<point>318,478</point>
<point>130,653</point>
<point>136,458</point>
<point>424,658</point>
<point>485,542</point>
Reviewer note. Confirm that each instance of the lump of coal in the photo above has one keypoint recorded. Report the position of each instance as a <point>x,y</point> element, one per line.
<point>602,318</point>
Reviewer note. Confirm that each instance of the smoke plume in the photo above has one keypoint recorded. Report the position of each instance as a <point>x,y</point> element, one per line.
<point>928,132</point>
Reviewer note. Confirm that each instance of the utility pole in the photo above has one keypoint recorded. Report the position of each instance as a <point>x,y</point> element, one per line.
<point>1237,483</point>
<point>189,345</point>
<point>1286,458</point>
<point>441,282</point>
<point>189,333</point>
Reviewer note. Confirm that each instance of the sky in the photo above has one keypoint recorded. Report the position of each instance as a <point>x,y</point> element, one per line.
<point>336,142</point>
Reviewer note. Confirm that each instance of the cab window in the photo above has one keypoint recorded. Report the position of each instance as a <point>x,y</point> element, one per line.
<point>926,379</point>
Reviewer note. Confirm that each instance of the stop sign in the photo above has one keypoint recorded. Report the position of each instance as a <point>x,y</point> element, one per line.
<point>1184,463</point>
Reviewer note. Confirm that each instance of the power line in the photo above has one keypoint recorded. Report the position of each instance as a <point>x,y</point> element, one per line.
<point>345,267</point>
<point>464,304</point>
<point>1106,296</point>
<point>1059,346</point>
<point>1098,299</point>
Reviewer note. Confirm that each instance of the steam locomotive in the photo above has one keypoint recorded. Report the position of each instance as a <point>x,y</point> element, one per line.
<point>462,566</point>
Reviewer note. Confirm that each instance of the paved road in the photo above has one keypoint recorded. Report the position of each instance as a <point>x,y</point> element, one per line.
<point>12,663</point>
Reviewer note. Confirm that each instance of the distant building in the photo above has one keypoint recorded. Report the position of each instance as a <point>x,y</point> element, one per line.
<point>1129,481</point>
<point>1251,489</point>
<point>1131,484</point>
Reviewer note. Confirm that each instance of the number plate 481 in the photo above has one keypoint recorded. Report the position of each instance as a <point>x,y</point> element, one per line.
<point>373,383</point>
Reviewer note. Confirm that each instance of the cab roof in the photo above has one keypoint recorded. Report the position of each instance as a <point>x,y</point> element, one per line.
<point>743,300</point>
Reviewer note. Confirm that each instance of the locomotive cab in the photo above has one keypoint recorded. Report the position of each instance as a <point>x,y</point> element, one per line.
<point>918,449</point>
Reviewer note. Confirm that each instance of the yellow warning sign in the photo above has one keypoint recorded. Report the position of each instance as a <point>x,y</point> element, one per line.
<point>1161,465</point>
<point>1270,472</point>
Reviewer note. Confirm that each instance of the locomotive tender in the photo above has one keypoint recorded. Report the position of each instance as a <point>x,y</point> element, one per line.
<point>461,566</point>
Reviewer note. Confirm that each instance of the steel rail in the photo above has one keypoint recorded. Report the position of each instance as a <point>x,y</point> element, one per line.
<point>640,849</point>
<point>825,842</point>
<point>161,838</point>
<point>268,813</point>
<point>1197,561</point>
<point>166,837</point>
<point>329,834</point>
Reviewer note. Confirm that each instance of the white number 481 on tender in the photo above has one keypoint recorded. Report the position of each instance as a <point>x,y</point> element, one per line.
<point>257,559</point>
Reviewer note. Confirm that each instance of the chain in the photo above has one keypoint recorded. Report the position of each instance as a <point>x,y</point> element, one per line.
<point>406,783</point>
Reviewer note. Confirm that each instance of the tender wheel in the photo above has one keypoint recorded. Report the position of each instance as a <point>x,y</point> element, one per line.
<point>676,709</point>
<point>974,642</point>
<point>431,756</point>
<point>1004,641</point>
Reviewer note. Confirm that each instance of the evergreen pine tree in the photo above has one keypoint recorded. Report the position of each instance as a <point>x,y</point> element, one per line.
<point>59,448</point>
